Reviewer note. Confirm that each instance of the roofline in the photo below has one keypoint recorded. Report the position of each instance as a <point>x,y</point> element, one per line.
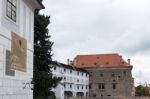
<point>97,54</point>
<point>42,6</point>
<point>130,67</point>
<point>68,66</point>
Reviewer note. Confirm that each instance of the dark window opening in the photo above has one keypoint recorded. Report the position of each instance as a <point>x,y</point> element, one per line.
<point>64,78</point>
<point>86,87</point>
<point>101,75</point>
<point>86,75</point>
<point>77,73</point>
<point>94,95</point>
<point>70,71</point>
<point>64,86</point>
<point>124,73</point>
<point>90,86</point>
<point>77,87</point>
<point>114,86</point>
<point>55,68</point>
<point>11,9</point>
<point>70,86</point>
<point>113,75</point>
<point>64,70</point>
<point>101,86</point>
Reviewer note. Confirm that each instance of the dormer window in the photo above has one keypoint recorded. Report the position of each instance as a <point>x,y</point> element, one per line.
<point>11,9</point>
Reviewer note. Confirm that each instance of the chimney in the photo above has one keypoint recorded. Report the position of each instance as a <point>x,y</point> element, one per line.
<point>71,63</point>
<point>120,57</point>
<point>68,61</point>
<point>129,61</point>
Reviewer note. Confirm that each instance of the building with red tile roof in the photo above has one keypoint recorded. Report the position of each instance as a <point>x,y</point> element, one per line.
<point>110,75</point>
<point>101,60</point>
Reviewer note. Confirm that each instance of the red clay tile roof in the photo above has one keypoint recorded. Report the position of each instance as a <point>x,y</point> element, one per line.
<point>100,60</point>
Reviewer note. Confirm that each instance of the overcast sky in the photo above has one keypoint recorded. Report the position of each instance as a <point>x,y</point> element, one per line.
<point>102,26</point>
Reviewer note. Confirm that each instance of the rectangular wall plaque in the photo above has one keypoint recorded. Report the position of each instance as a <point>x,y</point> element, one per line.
<point>18,53</point>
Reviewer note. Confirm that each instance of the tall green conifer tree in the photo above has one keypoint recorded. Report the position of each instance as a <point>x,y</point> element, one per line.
<point>43,78</point>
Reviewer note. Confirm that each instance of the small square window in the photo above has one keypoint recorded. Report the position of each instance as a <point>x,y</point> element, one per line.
<point>113,75</point>
<point>101,75</point>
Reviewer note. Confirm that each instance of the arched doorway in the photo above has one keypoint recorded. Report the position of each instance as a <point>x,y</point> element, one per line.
<point>68,94</point>
<point>80,94</point>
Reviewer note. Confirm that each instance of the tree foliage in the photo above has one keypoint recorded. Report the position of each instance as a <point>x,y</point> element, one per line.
<point>141,90</point>
<point>43,78</point>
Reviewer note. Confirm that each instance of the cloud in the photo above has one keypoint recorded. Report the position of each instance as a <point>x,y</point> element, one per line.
<point>101,26</point>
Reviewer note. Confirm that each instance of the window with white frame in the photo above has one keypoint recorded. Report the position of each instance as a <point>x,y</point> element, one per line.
<point>11,9</point>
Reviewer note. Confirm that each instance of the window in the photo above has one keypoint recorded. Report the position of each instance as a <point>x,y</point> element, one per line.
<point>114,80</point>
<point>77,80</point>
<point>82,74</point>
<point>124,73</point>
<point>11,9</point>
<point>70,71</point>
<point>113,75</point>
<point>70,86</point>
<point>101,86</point>
<point>64,78</point>
<point>64,70</point>
<point>114,86</point>
<point>101,75</point>
<point>86,87</point>
<point>55,68</point>
<point>64,86</point>
<point>82,87</point>
<point>94,95</point>
<point>86,75</point>
<point>90,86</point>
<point>78,73</point>
<point>77,87</point>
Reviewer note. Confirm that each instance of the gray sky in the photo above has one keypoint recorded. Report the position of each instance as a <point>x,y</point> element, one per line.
<point>102,26</point>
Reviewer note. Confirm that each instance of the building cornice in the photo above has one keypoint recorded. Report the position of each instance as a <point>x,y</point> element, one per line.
<point>36,4</point>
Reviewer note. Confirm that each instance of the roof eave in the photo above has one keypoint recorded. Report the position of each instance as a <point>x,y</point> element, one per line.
<point>36,4</point>
<point>41,6</point>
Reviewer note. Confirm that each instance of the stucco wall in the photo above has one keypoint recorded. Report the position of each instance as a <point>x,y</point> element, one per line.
<point>11,87</point>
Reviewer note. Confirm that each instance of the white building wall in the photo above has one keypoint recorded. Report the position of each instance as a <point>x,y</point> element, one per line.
<point>12,87</point>
<point>71,79</point>
<point>0,12</point>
